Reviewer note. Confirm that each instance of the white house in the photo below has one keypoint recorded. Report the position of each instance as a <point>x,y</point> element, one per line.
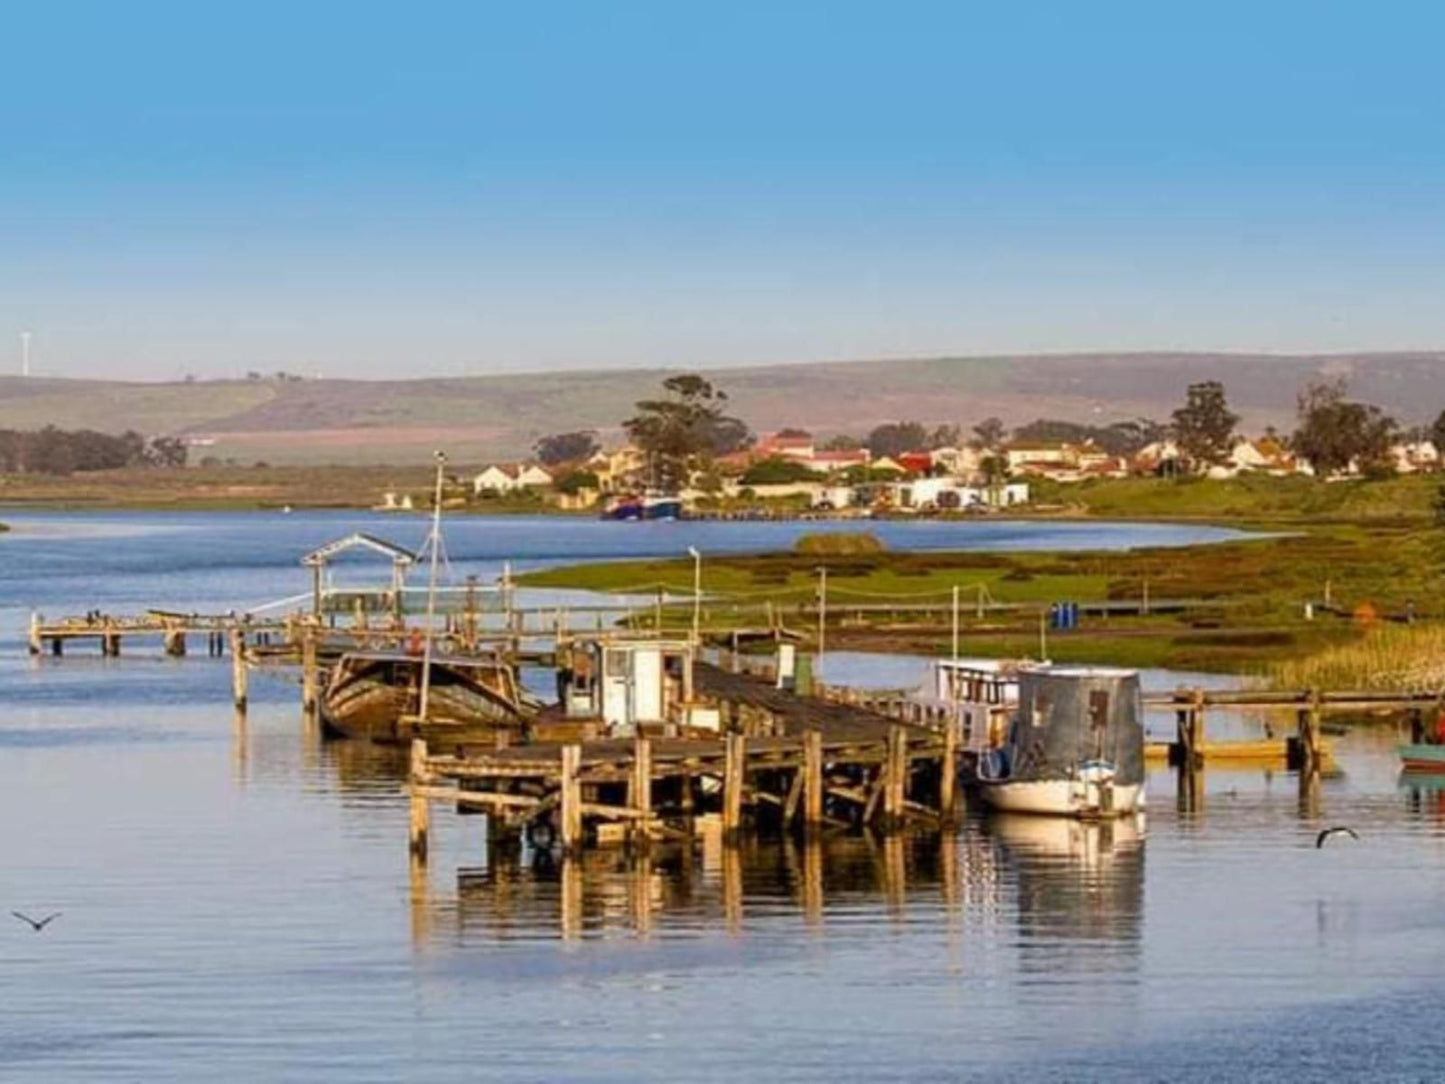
<point>1415,455</point>
<point>507,478</point>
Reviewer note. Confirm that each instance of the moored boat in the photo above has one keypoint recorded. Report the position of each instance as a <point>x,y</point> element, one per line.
<point>1423,757</point>
<point>664,506</point>
<point>1074,748</point>
<point>376,696</point>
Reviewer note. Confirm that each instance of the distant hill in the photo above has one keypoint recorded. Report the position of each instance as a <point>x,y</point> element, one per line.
<point>355,421</point>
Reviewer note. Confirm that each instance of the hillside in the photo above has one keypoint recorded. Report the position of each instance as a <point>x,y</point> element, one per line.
<point>354,421</point>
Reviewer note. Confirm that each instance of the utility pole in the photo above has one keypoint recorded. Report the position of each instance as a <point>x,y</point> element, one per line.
<point>696,556</point>
<point>822,609</point>
<point>431,593</point>
<point>955,623</point>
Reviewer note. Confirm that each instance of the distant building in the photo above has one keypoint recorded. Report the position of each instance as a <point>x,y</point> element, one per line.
<point>508,478</point>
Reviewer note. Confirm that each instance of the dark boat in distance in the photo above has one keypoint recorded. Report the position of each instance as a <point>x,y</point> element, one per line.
<point>649,505</point>
<point>376,696</point>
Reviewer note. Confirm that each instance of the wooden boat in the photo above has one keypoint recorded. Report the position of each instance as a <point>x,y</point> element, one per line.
<point>1075,747</point>
<point>1420,757</point>
<point>375,696</point>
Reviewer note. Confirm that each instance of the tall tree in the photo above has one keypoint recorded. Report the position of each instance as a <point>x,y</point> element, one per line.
<point>1204,425</point>
<point>567,447</point>
<point>1437,433</point>
<point>1336,434</point>
<point>685,429</point>
<point>945,436</point>
<point>988,434</point>
<point>896,438</point>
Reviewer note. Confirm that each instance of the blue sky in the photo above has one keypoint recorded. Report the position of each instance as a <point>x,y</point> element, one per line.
<point>431,188</point>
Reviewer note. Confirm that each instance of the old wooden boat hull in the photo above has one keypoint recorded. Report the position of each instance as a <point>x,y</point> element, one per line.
<point>1423,758</point>
<point>377,698</point>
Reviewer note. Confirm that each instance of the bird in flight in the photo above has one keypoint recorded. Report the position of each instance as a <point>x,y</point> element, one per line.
<point>33,924</point>
<point>1337,830</point>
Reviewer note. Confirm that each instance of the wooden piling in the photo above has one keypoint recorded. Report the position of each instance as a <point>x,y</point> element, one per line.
<point>571,799</point>
<point>36,646</point>
<point>238,669</point>
<point>420,805</point>
<point>895,788</point>
<point>640,789</point>
<point>309,674</point>
<point>175,643</point>
<point>734,780</point>
<point>948,774</point>
<point>813,778</point>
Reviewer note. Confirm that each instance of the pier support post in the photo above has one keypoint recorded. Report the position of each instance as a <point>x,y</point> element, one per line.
<point>57,647</point>
<point>309,679</point>
<point>420,805</point>
<point>175,643</point>
<point>35,644</point>
<point>238,669</point>
<point>734,777</point>
<point>571,805</point>
<point>948,773</point>
<point>813,778</point>
<point>639,795</point>
<point>895,787</point>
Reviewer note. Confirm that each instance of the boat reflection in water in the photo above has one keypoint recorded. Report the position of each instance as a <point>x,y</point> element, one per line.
<point>1077,880</point>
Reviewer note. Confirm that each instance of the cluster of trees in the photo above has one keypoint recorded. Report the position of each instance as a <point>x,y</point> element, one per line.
<point>66,451</point>
<point>686,429</point>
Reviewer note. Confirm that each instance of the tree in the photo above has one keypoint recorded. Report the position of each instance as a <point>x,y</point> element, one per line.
<point>1437,433</point>
<point>574,481</point>
<point>1336,434</point>
<point>945,436</point>
<point>567,447</point>
<point>1204,425</point>
<point>684,430</point>
<point>791,433</point>
<point>776,470</point>
<point>988,434</point>
<point>841,443</point>
<point>896,438</point>
<point>167,452</point>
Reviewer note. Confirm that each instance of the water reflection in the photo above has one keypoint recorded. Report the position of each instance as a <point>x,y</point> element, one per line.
<point>1032,880</point>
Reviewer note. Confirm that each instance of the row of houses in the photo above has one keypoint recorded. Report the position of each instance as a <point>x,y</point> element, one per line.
<point>946,477</point>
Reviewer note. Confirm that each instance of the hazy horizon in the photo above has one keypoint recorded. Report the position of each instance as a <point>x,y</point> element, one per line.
<point>485,189</point>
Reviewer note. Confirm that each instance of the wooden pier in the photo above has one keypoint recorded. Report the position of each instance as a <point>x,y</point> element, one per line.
<point>792,762</point>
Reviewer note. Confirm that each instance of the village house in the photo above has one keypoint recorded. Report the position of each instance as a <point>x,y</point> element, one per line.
<point>1414,456</point>
<point>619,470</point>
<point>510,477</point>
<point>1051,459</point>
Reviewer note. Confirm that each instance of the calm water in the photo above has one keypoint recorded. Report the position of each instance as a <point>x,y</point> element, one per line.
<point>238,902</point>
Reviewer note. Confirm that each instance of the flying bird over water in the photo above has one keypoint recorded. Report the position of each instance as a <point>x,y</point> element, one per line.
<point>1337,830</point>
<point>33,924</point>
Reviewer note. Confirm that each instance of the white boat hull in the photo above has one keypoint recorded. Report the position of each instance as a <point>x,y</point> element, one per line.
<point>1065,797</point>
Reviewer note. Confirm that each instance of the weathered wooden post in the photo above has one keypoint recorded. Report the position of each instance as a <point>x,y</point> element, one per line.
<point>175,642</point>
<point>813,778</point>
<point>35,642</point>
<point>309,676</point>
<point>571,804</point>
<point>895,787</point>
<point>734,778</point>
<point>948,773</point>
<point>238,669</point>
<point>420,827</point>
<point>640,789</point>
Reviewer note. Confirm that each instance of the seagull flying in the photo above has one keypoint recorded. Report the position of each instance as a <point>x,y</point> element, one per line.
<point>33,924</point>
<point>1337,830</point>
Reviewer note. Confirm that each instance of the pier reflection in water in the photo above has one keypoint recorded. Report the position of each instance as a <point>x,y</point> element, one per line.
<point>1056,879</point>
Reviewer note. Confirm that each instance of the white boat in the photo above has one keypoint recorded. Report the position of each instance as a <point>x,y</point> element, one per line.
<point>1074,748</point>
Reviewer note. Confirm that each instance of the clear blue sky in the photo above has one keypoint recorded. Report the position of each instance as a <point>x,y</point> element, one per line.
<point>363,189</point>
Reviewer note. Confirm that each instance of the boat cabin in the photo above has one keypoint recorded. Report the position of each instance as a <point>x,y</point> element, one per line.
<point>626,683</point>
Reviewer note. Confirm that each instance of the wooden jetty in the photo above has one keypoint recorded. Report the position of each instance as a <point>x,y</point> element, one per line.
<point>791,761</point>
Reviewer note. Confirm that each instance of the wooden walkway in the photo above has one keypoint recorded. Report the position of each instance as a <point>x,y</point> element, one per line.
<point>795,762</point>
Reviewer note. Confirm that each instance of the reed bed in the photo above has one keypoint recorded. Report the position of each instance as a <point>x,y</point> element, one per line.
<point>1402,658</point>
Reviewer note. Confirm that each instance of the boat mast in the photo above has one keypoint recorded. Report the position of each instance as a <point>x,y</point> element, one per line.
<point>431,589</point>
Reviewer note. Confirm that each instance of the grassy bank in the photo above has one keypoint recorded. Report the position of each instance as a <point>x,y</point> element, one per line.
<point>1247,611</point>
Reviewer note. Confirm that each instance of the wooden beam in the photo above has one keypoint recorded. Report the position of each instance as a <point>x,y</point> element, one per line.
<point>571,827</point>
<point>813,778</point>
<point>734,780</point>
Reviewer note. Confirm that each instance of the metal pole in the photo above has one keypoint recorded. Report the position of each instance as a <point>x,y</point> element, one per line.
<point>822,609</point>
<point>696,592</point>
<point>955,622</point>
<point>431,592</point>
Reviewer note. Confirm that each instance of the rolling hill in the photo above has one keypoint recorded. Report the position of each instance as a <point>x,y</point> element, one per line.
<point>361,421</point>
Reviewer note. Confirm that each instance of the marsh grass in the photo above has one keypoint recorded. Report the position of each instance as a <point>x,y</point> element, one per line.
<point>1395,657</point>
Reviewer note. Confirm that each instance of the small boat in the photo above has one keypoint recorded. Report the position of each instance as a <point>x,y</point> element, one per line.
<point>648,506</point>
<point>1422,757</point>
<point>1075,747</point>
<point>376,696</point>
